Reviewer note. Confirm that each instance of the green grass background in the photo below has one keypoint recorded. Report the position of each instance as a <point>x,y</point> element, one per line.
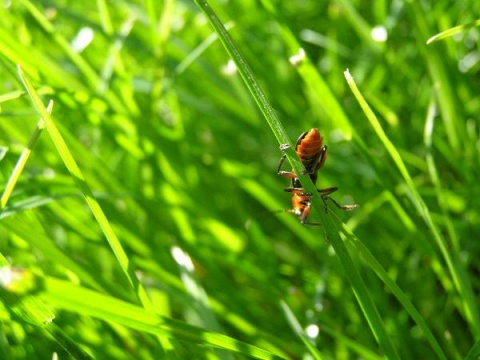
<point>142,218</point>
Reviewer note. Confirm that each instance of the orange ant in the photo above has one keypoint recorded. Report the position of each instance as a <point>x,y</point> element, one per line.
<point>311,151</point>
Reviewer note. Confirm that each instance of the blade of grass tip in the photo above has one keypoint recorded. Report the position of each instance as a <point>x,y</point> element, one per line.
<point>93,204</point>
<point>452,31</point>
<point>455,268</point>
<point>22,160</point>
<point>3,152</point>
<point>379,130</point>
<point>356,281</point>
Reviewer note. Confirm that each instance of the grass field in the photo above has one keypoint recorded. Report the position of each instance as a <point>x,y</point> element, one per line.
<point>141,210</point>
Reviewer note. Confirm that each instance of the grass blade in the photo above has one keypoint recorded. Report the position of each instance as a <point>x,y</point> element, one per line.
<point>451,258</point>
<point>17,171</point>
<point>358,285</point>
<point>68,296</point>
<point>299,331</point>
<point>97,211</point>
<point>452,31</point>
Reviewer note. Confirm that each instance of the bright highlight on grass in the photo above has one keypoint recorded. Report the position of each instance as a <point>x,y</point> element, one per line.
<point>141,216</point>
<point>379,34</point>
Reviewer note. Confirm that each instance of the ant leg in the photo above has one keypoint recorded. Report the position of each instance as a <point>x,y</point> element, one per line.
<point>327,191</point>
<point>304,216</point>
<point>342,207</point>
<point>282,160</point>
<point>325,195</point>
<point>298,189</point>
<point>287,174</point>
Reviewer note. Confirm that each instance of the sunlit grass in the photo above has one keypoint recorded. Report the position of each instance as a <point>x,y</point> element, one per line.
<point>145,220</point>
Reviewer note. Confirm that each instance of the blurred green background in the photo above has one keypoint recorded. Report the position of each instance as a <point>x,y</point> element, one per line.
<point>179,157</point>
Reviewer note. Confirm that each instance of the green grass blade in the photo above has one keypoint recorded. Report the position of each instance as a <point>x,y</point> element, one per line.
<point>58,38</point>
<point>359,24</point>
<point>451,258</point>
<point>176,152</point>
<point>299,331</point>
<point>252,84</point>
<point>359,248</point>
<point>360,290</point>
<point>474,352</point>
<point>97,211</point>
<point>449,104</point>
<point>89,74</point>
<point>65,295</point>
<point>452,31</point>
<point>16,285</point>
<point>358,285</point>
<point>20,165</point>
<point>29,229</point>
<point>313,79</point>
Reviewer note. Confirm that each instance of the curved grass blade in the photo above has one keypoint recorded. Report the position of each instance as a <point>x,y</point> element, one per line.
<point>356,246</point>
<point>452,31</point>
<point>90,75</point>
<point>313,79</point>
<point>449,103</point>
<point>474,352</point>
<point>299,331</point>
<point>93,204</point>
<point>359,288</point>
<point>22,160</point>
<point>18,288</point>
<point>65,295</point>
<point>456,270</point>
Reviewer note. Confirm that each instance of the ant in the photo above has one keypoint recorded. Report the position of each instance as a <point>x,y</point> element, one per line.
<point>311,151</point>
